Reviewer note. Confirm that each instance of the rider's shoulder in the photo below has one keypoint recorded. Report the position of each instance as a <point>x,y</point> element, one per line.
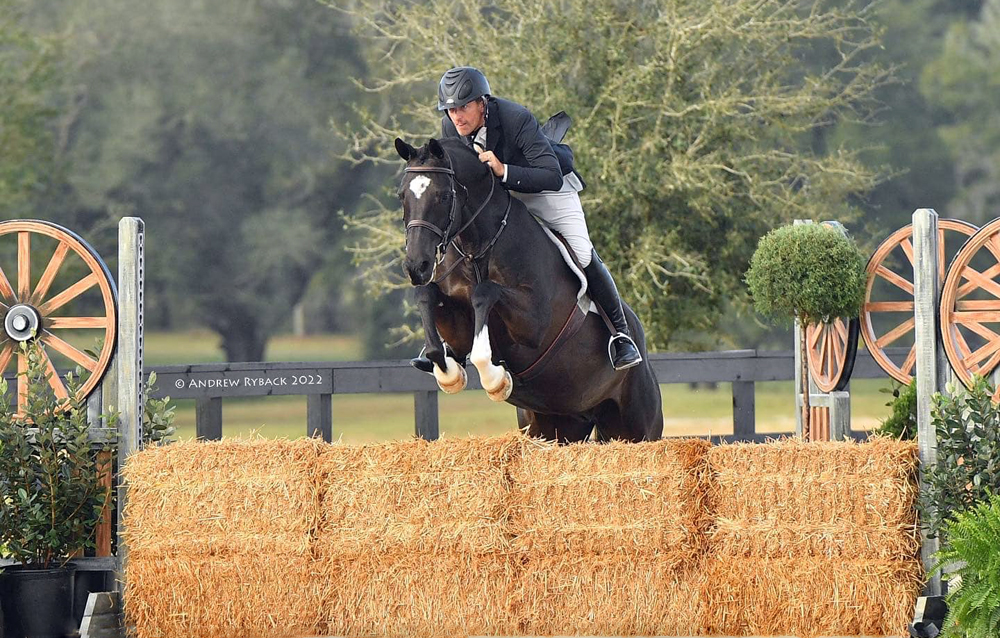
<point>510,110</point>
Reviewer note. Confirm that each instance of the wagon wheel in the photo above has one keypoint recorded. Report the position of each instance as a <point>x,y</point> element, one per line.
<point>970,306</point>
<point>830,352</point>
<point>898,306</point>
<point>31,311</point>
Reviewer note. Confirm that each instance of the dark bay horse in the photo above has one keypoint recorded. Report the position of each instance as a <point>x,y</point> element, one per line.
<point>496,290</point>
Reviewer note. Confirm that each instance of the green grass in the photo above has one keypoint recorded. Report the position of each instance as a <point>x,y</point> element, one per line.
<point>382,417</point>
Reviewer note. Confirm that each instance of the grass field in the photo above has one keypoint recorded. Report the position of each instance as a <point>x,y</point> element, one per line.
<point>381,417</point>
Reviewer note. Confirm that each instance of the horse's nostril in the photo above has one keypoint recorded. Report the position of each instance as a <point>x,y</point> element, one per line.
<point>425,266</point>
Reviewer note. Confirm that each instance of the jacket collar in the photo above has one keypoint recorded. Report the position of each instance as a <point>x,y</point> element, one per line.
<point>493,130</point>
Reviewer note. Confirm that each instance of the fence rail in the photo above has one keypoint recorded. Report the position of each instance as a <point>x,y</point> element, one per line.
<point>209,384</point>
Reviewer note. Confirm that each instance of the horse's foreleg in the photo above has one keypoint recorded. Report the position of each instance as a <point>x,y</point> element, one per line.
<point>496,380</point>
<point>450,375</point>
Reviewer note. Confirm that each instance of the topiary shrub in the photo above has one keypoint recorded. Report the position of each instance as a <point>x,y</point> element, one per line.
<point>806,271</point>
<point>902,423</point>
<point>811,272</point>
<point>973,548</point>
<point>967,424</point>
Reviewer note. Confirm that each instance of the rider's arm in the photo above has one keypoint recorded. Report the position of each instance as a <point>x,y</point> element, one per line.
<point>542,172</point>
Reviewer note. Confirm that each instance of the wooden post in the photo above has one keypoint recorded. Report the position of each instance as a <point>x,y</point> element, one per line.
<point>425,410</point>
<point>319,416</point>
<point>926,296</point>
<point>208,418</point>
<point>840,416</point>
<point>131,268</point>
<point>744,411</point>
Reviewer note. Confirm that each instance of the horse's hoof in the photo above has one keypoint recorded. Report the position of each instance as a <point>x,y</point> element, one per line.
<point>452,386</point>
<point>502,392</point>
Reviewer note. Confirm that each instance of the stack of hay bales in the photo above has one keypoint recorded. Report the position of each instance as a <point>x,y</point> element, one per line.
<point>812,539</point>
<point>413,538</point>
<point>611,536</point>
<point>220,540</point>
<point>508,536</point>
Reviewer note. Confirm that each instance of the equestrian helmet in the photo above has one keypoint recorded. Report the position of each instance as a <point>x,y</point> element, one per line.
<point>461,85</point>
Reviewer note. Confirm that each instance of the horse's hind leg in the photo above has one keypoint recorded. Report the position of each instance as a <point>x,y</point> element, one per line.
<point>496,381</point>
<point>554,427</point>
<point>450,375</point>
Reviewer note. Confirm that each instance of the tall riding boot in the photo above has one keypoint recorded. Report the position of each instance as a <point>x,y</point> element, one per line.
<point>602,290</point>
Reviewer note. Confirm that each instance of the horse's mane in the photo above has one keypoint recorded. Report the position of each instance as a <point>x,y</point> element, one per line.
<point>464,160</point>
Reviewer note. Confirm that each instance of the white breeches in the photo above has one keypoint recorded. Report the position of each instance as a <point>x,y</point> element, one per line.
<point>562,212</point>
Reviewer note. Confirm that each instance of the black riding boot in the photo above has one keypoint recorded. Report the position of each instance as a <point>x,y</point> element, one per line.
<point>603,291</point>
<point>422,363</point>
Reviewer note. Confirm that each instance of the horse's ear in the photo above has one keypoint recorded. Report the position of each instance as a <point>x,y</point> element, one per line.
<point>405,150</point>
<point>435,148</point>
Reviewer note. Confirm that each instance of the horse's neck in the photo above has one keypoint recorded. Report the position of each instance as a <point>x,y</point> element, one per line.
<point>486,224</point>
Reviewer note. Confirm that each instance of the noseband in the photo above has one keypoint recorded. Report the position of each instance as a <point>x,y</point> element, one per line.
<point>447,238</point>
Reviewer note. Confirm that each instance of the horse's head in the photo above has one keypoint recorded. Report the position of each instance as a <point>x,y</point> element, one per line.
<point>429,206</point>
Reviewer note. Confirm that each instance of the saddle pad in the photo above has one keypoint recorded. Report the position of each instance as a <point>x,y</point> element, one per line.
<point>582,299</point>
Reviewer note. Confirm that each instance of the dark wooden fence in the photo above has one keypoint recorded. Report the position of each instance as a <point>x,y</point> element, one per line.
<point>209,384</point>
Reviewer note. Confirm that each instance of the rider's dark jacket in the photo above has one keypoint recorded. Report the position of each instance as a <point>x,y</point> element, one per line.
<point>513,134</point>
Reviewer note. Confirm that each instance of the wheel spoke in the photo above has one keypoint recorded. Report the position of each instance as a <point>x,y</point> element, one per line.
<point>54,381</point>
<point>69,351</point>
<point>49,274</point>
<point>58,323</point>
<point>972,284</point>
<point>23,265</point>
<point>981,354</point>
<point>22,381</point>
<point>981,281</point>
<point>979,329</point>
<point>987,367</point>
<point>822,348</point>
<point>837,345</point>
<point>896,333</point>
<point>5,355</point>
<point>889,306</point>
<point>963,345</point>
<point>815,332</point>
<point>979,316</point>
<point>68,295</point>
<point>892,277</point>
<point>978,304</point>
<point>5,288</point>
<point>841,328</point>
<point>907,247</point>
<point>911,359</point>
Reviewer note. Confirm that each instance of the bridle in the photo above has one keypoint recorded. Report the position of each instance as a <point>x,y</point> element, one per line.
<point>447,238</point>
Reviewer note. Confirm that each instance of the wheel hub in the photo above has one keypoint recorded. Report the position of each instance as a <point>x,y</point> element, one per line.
<point>21,322</point>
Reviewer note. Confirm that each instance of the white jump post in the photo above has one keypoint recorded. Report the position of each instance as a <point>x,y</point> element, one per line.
<point>131,269</point>
<point>932,367</point>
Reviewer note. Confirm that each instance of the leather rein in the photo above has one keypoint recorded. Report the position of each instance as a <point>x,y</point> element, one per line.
<point>447,238</point>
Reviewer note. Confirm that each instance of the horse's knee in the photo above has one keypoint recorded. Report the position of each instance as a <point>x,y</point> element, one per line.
<point>425,295</point>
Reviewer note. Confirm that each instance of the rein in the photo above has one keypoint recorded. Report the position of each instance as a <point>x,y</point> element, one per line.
<point>447,239</point>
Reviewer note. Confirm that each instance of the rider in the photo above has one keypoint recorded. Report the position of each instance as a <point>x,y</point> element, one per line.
<point>537,172</point>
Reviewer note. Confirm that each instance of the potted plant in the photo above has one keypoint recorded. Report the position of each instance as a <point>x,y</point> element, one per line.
<point>810,272</point>
<point>51,499</point>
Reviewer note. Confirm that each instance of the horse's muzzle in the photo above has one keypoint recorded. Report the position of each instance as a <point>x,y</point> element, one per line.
<point>420,272</point>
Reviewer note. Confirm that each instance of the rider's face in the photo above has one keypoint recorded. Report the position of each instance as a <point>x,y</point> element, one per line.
<point>468,118</point>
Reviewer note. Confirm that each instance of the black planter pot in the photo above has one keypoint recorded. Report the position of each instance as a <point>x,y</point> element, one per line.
<point>37,603</point>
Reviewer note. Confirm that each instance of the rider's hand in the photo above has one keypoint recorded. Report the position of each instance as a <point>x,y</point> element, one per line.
<point>487,157</point>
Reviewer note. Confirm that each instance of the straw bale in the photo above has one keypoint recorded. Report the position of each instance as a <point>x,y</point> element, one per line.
<point>809,597</point>
<point>246,596</point>
<point>790,498</point>
<point>443,496</point>
<point>615,595</point>
<point>422,596</point>
<point>645,498</point>
<point>222,497</point>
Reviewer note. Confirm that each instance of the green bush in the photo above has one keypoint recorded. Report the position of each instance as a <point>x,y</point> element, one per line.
<point>51,496</point>
<point>973,548</point>
<point>902,423</point>
<point>157,417</point>
<point>807,271</point>
<point>967,424</point>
